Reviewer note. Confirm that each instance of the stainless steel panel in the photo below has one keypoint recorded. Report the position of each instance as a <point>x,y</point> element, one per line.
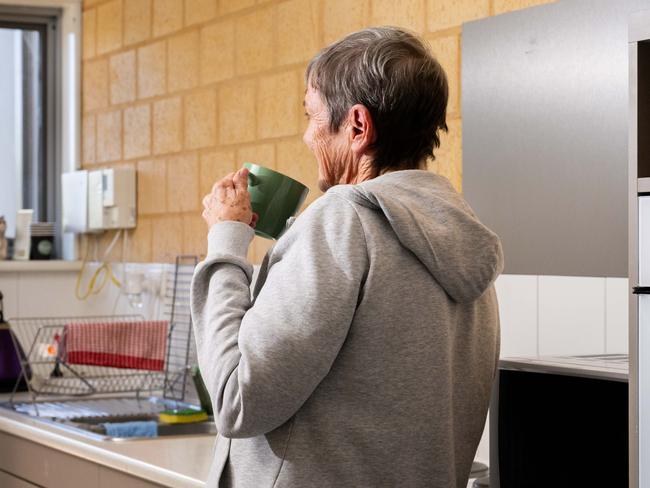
<point>545,121</point>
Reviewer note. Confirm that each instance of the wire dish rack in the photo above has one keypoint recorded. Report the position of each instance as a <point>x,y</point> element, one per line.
<point>48,372</point>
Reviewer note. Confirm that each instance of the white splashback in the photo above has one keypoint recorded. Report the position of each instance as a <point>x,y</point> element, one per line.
<point>617,313</point>
<point>562,315</point>
<point>571,315</point>
<point>517,295</point>
<point>52,293</point>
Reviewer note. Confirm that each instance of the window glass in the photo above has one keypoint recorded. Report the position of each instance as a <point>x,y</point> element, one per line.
<point>11,126</point>
<point>22,128</point>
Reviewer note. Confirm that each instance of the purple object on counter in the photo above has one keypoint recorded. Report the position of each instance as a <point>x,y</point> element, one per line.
<point>9,357</point>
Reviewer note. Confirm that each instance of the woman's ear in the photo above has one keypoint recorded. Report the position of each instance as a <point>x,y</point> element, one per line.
<point>362,129</point>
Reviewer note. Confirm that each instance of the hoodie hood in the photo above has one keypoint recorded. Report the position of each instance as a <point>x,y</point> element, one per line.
<point>434,222</point>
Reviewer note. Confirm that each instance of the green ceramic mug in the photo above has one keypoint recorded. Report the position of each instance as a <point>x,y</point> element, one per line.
<point>274,197</point>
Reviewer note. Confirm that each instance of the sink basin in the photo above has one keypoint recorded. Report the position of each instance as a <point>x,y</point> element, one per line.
<point>85,417</point>
<point>94,427</point>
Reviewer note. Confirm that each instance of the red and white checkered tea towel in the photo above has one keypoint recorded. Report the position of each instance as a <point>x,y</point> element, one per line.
<point>133,345</point>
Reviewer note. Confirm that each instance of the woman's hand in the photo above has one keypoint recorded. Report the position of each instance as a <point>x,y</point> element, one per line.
<point>229,200</point>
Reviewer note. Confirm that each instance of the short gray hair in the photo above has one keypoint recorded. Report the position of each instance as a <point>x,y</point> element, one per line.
<point>392,73</point>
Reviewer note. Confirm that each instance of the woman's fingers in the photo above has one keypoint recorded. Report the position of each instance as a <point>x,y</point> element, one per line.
<point>225,182</point>
<point>241,180</point>
<point>229,200</point>
<point>237,180</point>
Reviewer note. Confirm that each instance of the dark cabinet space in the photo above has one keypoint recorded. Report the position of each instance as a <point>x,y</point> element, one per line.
<point>643,110</point>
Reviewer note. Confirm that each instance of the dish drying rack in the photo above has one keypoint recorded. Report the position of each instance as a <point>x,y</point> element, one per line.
<point>48,374</point>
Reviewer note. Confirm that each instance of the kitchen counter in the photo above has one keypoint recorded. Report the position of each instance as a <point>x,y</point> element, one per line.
<point>607,366</point>
<point>172,461</point>
<point>181,461</point>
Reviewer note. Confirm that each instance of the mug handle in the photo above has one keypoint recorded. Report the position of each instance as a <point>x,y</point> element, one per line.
<point>253,180</point>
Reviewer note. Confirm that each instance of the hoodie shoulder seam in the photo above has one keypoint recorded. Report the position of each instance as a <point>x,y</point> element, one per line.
<point>363,229</point>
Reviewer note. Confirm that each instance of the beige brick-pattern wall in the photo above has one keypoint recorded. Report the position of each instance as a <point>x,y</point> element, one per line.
<point>185,91</point>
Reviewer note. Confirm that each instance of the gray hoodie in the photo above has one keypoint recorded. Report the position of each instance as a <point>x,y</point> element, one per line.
<point>366,355</point>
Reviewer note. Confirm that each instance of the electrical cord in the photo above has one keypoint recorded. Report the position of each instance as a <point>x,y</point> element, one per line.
<point>104,271</point>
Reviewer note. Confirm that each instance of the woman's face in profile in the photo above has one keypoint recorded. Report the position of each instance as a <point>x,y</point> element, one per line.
<point>332,150</point>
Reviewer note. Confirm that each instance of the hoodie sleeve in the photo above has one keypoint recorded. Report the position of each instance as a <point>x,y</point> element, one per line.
<point>262,361</point>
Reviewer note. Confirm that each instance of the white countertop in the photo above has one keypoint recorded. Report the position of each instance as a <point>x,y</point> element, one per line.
<point>181,461</point>
<point>606,366</point>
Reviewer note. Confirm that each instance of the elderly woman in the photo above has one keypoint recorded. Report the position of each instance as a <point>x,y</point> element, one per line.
<point>366,355</point>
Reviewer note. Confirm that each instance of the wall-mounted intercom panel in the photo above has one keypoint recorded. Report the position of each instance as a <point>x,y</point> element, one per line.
<point>99,200</point>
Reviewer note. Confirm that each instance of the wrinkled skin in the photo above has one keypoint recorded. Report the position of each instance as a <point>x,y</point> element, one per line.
<point>229,200</point>
<point>343,157</point>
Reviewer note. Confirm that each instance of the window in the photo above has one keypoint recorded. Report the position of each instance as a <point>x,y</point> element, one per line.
<point>39,129</point>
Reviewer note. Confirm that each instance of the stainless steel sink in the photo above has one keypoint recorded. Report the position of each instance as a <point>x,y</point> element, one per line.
<point>86,417</point>
<point>95,427</point>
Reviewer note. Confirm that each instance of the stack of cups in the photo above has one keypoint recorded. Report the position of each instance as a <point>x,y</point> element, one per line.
<point>42,240</point>
<point>23,239</point>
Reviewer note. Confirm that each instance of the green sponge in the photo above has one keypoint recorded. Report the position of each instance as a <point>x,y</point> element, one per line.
<point>182,416</point>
